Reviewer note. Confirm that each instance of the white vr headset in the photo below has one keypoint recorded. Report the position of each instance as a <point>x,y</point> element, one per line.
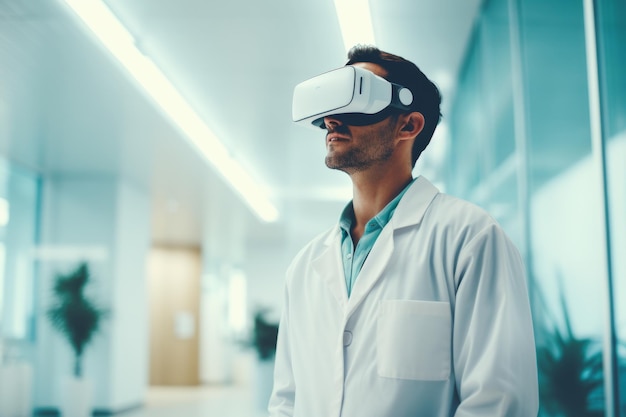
<point>353,92</point>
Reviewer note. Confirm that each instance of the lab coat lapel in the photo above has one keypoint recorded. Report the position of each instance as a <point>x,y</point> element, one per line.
<point>372,269</point>
<point>409,212</point>
<point>329,266</point>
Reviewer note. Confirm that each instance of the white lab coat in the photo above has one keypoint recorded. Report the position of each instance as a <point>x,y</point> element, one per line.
<point>438,322</point>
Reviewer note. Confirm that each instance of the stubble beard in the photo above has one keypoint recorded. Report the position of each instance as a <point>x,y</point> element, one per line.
<point>355,160</point>
<point>378,150</point>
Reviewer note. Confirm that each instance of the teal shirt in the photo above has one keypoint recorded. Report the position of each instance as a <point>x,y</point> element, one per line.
<point>354,258</point>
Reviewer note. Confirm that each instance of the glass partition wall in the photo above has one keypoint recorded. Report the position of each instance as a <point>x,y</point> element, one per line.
<point>19,200</point>
<point>522,147</point>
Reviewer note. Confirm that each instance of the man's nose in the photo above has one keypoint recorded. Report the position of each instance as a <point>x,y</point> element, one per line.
<point>331,122</point>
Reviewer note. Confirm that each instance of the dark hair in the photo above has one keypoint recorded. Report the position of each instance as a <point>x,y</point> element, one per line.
<point>426,96</point>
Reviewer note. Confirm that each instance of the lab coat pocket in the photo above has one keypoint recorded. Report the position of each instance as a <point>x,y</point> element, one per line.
<point>413,340</point>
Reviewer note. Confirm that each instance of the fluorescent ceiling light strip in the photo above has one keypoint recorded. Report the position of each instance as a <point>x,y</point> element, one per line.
<point>121,44</point>
<point>355,21</point>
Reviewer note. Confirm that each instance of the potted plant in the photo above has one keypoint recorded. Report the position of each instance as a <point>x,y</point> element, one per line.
<point>263,341</point>
<point>264,336</point>
<point>570,372</point>
<point>78,319</point>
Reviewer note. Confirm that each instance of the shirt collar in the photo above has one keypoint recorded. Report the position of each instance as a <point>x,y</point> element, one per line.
<point>346,218</point>
<point>381,219</point>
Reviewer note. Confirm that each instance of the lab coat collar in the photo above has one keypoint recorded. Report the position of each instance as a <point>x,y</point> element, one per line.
<point>413,205</point>
<point>410,210</point>
<point>329,266</point>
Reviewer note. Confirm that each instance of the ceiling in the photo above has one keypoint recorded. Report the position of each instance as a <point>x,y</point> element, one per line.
<point>68,108</point>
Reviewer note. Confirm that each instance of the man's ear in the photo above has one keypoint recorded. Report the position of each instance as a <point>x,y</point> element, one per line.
<point>411,124</point>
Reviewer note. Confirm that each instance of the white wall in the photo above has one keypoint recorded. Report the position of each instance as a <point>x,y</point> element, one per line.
<point>223,251</point>
<point>20,190</point>
<point>265,271</point>
<point>130,335</point>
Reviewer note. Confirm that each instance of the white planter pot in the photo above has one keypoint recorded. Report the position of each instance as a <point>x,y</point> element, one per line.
<point>76,397</point>
<point>16,390</point>
<point>263,382</point>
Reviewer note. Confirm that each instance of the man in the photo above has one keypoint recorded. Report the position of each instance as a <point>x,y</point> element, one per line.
<point>416,303</point>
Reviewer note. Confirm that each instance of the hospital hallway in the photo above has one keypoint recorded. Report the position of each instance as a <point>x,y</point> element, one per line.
<point>165,202</point>
<point>201,401</point>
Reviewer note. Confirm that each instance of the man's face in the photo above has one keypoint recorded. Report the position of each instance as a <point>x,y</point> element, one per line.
<point>357,148</point>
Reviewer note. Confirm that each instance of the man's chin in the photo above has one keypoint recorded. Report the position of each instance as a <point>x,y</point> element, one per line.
<point>332,163</point>
<point>340,166</point>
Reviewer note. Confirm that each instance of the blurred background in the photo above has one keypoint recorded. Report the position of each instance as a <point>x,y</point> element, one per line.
<point>151,180</point>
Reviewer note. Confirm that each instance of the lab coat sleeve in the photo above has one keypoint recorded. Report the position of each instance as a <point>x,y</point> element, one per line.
<point>283,394</point>
<point>493,343</point>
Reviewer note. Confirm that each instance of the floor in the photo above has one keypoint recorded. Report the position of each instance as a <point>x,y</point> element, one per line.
<point>207,401</point>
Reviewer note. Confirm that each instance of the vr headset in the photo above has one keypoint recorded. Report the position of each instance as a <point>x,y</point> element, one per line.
<point>353,94</point>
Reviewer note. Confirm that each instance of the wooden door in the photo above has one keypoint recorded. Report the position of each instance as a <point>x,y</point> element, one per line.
<point>174,288</point>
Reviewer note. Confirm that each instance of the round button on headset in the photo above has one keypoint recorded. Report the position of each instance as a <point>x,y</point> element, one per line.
<point>405,96</point>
